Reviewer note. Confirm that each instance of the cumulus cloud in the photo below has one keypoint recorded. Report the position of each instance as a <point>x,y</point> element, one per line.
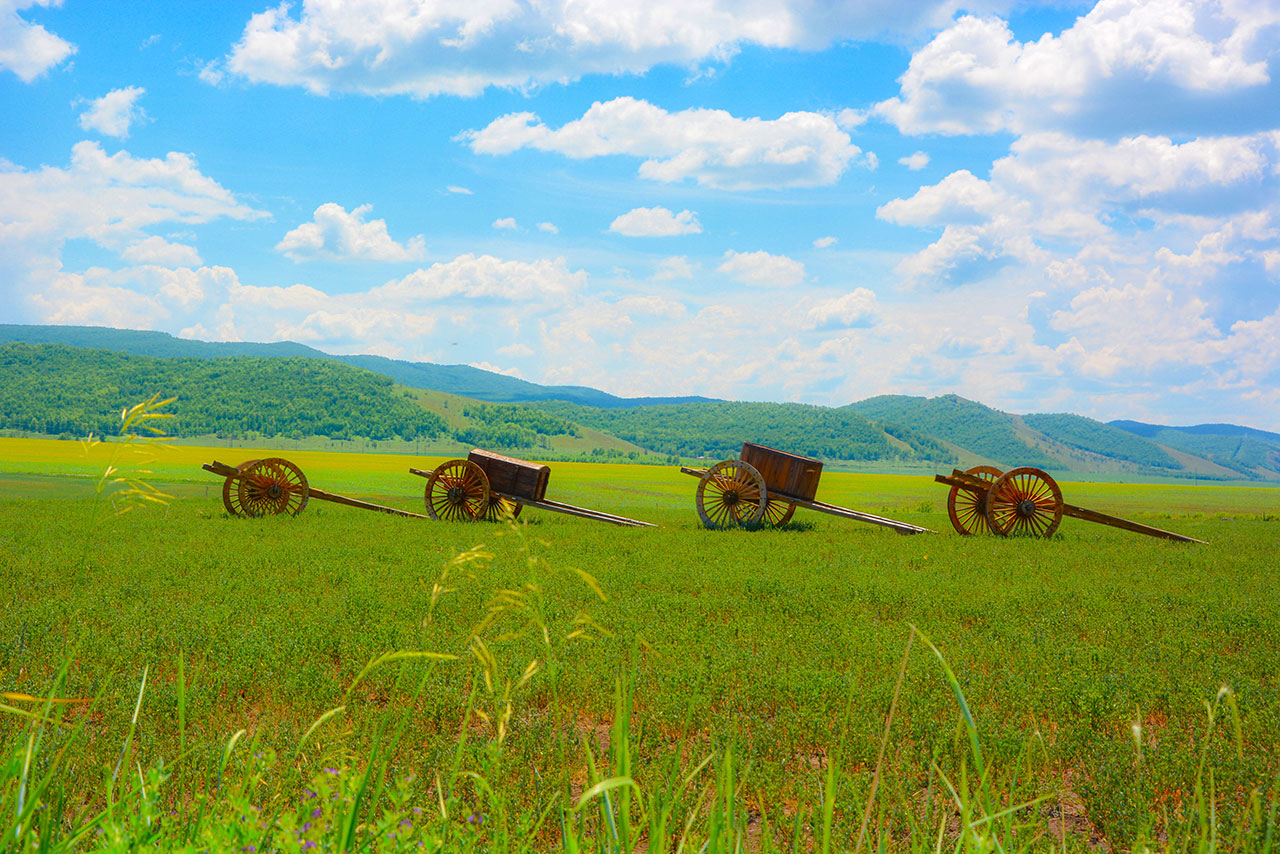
<point>27,49</point>
<point>856,308</point>
<point>485,276</point>
<point>548,227</point>
<point>710,147</point>
<point>336,235</point>
<point>114,112</point>
<point>1126,66</point>
<point>158,251</point>
<point>506,223</point>
<point>675,267</point>
<point>825,242</point>
<point>111,200</point>
<point>915,162</point>
<point>423,48</point>
<point>656,222</point>
<point>762,269</point>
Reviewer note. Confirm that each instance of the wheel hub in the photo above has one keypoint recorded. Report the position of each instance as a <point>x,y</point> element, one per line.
<point>274,490</point>
<point>456,495</point>
<point>1026,507</point>
<point>731,497</point>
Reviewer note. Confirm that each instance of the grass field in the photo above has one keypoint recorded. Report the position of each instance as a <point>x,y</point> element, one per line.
<point>776,653</point>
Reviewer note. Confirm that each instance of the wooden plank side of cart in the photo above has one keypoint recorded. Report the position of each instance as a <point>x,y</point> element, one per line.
<point>832,509</point>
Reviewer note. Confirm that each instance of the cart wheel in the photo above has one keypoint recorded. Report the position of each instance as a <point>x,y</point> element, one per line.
<point>968,511</point>
<point>1024,501</point>
<point>457,490</point>
<point>778,513</point>
<point>266,488</point>
<point>732,494</point>
<point>500,509</point>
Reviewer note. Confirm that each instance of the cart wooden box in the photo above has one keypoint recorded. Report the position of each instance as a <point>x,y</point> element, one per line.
<point>513,477</point>
<point>786,474</point>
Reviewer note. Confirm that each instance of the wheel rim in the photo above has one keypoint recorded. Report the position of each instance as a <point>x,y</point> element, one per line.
<point>1024,501</point>
<point>457,491</point>
<point>267,488</point>
<point>778,513</point>
<point>968,510</point>
<point>731,495</point>
<point>500,509</point>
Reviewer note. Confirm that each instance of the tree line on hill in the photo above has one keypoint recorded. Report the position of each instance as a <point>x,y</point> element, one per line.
<point>718,429</point>
<point>57,390</point>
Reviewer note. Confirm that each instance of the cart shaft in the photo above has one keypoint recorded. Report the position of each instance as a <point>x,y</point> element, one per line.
<point>1124,524</point>
<point>580,512</point>
<point>224,470</point>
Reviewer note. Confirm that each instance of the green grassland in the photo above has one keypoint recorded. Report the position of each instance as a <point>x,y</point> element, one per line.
<point>775,652</point>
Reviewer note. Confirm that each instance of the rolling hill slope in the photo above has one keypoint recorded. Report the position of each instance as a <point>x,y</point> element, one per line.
<point>1250,452</point>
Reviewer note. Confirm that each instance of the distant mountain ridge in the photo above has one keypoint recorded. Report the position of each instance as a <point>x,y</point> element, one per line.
<point>888,429</point>
<point>455,379</point>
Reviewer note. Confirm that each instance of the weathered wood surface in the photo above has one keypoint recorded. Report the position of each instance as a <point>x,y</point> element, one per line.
<point>789,475</point>
<point>512,477</point>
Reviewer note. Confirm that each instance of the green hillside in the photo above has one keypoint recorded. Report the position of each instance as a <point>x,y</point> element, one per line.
<point>1085,434</point>
<point>461,380</point>
<point>718,429</point>
<point>981,430</point>
<point>1253,453</point>
<point>51,389</point>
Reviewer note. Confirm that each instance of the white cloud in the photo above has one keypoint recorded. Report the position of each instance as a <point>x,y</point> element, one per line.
<point>711,147</point>
<point>675,267</point>
<point>109,200</point>
<point>461,191</point>
<point>516,351</point>
<point>26,49</point>
<point>915,162</point>
<point>158,251</point>
<point>548,227</point>
<point>825,242</point>
<point>494,369</point>
<point>856,308</point>
<point>114,112</point>
<point>336,235</point>
<point>423,48</point>
<point>485,276</point>
<point>762,269</point>
<point>655,222</point>
<point>505,223</point>
<point>1128,65</point>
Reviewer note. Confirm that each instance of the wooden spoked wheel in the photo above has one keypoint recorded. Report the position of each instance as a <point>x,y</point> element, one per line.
<point>968,510</point>
<point>731,495</point>
<point>457,491</point>
<point>778,513</point>
<point>1024,501</point>
<point>500,509</point>
<point>266,488</point>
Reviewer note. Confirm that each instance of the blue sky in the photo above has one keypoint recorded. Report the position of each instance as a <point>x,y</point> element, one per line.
<point>1044,207</point>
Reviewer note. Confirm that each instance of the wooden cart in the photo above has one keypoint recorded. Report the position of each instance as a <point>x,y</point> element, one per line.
<point>764,486</point>
<point>272,486</point>
<point>490,486</point>
<point>1024,500</point>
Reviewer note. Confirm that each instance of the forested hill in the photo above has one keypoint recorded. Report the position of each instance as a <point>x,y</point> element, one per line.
<point>717,429</point>
<point>47,388</point>
<point>1253,453</point>
<point>462,380</point>
<point>965,424</point>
